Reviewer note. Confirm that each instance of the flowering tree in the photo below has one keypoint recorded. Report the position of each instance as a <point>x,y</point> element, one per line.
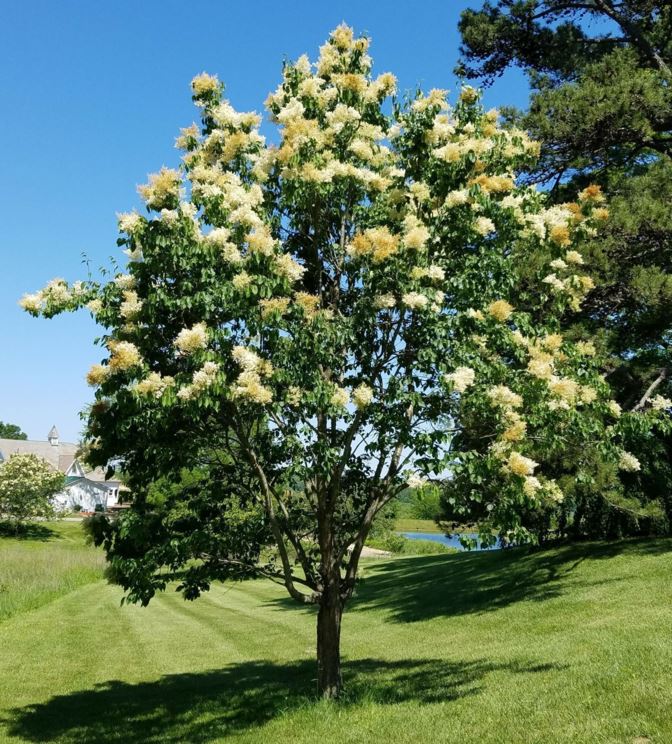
<point>27,486</point>
<point>305,326</point>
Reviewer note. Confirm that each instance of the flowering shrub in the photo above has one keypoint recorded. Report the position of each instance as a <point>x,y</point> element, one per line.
<point>27,486</point>
<point>332,310</point>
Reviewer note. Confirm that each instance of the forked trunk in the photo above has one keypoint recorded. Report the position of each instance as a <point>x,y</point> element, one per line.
<point>329,646</point>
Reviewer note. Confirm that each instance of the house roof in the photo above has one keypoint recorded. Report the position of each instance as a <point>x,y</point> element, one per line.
<point>52,453</point>
<point>72,479</point>
<point>53,434</point>
<point>59,456</point>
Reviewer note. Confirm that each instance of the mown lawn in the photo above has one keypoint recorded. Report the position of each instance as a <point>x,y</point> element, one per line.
<point>572,644</point>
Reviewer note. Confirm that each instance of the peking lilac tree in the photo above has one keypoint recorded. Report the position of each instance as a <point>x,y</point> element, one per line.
<point>303,327</point>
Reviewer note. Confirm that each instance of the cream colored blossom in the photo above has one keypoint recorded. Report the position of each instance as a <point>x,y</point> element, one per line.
<point>309,303</point>
<point>659,403</point>
<point>273,306</point>
<point>469,94</point>
<point>628,462</point>
<point>286,266</point>
<point>541,366</point>
<point>520,465</point>
<point>587,394</point>
<point>154,384</point>
<point>220,237</point>
<point>381,302</point>
<point>501,395</point>
<point>564,387</point>
<point>201,380</point>
<point>435,97</point>
<point>592,193</point>
<point>124,355</point>
<point>586,348</point>
<point>516,430</point>
<point>261,241</point>
<point>457,198</point>
<point>531,485</point>
<point>415,300</point>
<point>435,273</point>
<point>97,375</point>
<point>340,397</point>
<point>461,378</point>
<point>131,305</point>
<point>362,395</point>
<point>190,340</point>
<point>614,408</point>
<point>378,242</point>
<point>129,222</point>
<point>294,395</point>
<point>204,84</point>
<point>249,386</point>
<point>241,280</point>
<point>416,480</point>
<point>475,314</point>
<point>451,152</point>
<point>574,257</point>
<point>163,189</point>
<point>484,226</point>
<point>32,303</point>
<point>553,492</point>
<point>95,306</point>
<point>125,281</point>
<point>246,358</point>
<point>500,310</point>
<point>552,280</point>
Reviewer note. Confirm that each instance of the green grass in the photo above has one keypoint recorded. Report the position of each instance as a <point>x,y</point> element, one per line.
<point>564,645</point>
<point>416,525</point>
<point>49,560</point>
<point>400,545</point>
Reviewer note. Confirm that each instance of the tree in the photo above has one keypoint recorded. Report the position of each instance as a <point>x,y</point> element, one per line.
<point>27,487</point>
<point>11,431</point>
<point>601,108</point>
<point>325,313</point>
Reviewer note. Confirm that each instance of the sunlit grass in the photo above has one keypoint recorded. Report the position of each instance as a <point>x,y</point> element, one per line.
<point>571,644</point>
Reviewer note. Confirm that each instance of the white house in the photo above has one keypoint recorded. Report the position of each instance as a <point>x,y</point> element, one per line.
<point>85,488</point>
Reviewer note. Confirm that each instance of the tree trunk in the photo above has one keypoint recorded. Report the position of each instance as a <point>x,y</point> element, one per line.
<point>329,644</point>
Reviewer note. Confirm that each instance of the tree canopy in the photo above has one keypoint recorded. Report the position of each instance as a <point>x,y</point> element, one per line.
<point>307,327</point>
<point>11,431</point>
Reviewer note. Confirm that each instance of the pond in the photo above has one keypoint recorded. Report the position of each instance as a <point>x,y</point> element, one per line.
<point>453,541</point>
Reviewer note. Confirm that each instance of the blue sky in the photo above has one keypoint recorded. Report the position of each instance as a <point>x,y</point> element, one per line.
<point>94,94</point>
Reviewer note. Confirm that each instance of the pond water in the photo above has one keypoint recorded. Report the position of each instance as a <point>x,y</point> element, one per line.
<point>453,541</point>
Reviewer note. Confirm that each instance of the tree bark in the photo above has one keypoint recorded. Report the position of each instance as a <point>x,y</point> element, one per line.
<point>329,683</point>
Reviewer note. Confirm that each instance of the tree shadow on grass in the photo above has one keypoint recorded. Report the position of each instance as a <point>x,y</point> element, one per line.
<point>28,531</point>
<point>412,589</point>
<point>208,706</point>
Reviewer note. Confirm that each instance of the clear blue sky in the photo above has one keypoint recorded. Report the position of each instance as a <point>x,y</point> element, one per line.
<point>93,95</point>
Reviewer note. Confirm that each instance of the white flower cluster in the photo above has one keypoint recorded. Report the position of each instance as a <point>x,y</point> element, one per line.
<point>190,340</point>
<point>461,379</point>
<point>248,384</point>
<point>202,379</point>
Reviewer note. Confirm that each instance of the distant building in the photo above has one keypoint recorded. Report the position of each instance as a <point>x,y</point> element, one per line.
<point>87,489</point>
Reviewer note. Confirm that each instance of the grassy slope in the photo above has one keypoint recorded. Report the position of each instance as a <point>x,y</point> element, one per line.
<point>566,645</point>
<point>52,561</point>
